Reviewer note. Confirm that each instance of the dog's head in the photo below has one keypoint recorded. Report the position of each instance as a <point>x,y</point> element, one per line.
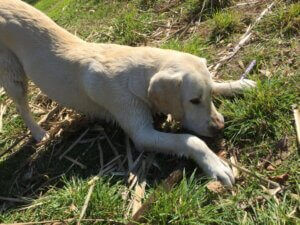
<point>186,92</point>
<point>182,88</point>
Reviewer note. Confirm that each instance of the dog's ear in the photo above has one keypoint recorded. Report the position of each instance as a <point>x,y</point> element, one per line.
<point>164,93</point>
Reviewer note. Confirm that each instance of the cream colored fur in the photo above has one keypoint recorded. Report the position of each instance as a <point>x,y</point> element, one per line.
<point>126,84</point>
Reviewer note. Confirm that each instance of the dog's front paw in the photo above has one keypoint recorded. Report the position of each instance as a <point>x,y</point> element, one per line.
<point>218,169</point>
<point>245,83</point>
<point>40,135</point>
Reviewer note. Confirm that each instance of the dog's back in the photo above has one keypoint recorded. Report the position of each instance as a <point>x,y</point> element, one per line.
<point>49,55</point>
<point>16,13</point>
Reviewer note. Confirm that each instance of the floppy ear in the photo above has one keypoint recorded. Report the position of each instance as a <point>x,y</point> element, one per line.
<point>164,93</point>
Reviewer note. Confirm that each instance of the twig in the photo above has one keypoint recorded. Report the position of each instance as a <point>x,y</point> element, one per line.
<point>297,122</point>
<point>243,40</point>
<point>87,199</point>
<point>92,184</point>
<point>1,91</point>
<point>129,154</point>
<point>30,206</point>
<point>48,115</point>
<point>245,4</point>
<point>106,168</point>
<point>74,143</point>
<point>100,154</point>
<point>115,151</point>
<point>44,119</point>
<point>187,27</point>
<point>136,180</point>
<point>75,162</point>
<point>14,199</point>
<point>139,191</point>
<point>167,184</point>
<point>70,220</point>
<point>14,144</point>
<point>248,69</point>
<point>235,171</point>
<point>259,176</point>
<point>2,112</point>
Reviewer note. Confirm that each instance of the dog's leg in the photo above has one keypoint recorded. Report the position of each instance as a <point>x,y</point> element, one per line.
<point>14,81</point>
<point>231,88</point>
<point>138,125</point>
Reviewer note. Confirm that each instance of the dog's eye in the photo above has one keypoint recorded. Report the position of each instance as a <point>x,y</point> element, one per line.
<point>195,101</point>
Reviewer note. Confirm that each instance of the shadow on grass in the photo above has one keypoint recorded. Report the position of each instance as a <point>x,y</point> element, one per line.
<point>31,171</point>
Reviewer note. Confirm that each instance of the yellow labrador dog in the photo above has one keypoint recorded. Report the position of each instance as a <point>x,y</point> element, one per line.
<point>125,84</point>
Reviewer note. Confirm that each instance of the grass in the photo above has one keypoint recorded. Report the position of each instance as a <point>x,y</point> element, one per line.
<point>286,20</point>
<point>224,24</point>
<point>256,123</point>
<point>193,9</point>
<point>262,112</point>
<point>106,203</point>
<point>193,45</point>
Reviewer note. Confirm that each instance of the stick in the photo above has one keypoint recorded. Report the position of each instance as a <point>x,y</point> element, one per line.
<point>48,115</point>
<point>190,23</point>
<point>243,40</point>
<point>100,154</point>
<point>30,206</point>
<point>135,181</point>
<point>139,191</point>
<point>115,151</point>
<point>75,162</point>
<point>1,91</point>
<point>259,176</point>
<point>92,184</point>
<point>297,122</point>
<point>248,69</point>
<point>14,199</point>
<point>14,144</point>
<point>86,202</point>
<point>235,171</point>
<point>74,143</point>
<point>167,184</point>
<point>247,3</point>
<point>2,112</point>
<point>129,154</point>
<point>69,221</point>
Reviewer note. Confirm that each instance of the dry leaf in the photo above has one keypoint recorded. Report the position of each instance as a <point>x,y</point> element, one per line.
<point>235,171</point>
<point>241,64</point>
<point>266,73</point>
<point>215,186</point>
<point>282,144</point>
<point>281,179</point>
<point>270,167</point>
<point>271,191</point>
<point>277,162</point>
<point>73,208</point>
<point>222,154</point>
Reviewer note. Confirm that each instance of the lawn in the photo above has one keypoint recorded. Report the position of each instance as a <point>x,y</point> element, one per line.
<point>50,181</point>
